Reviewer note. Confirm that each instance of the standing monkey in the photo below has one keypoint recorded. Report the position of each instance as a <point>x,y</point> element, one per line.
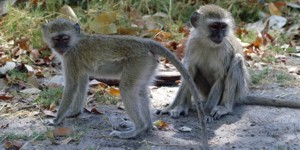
<point>132,60</point>
<point>214,59</point>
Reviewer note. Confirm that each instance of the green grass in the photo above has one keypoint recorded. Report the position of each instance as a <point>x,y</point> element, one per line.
<point>25,137</point>
<point>15,76</point>
<point>258,77</point>
<point>269,75</point>
<point>48,96</point>
<point>105,98</point>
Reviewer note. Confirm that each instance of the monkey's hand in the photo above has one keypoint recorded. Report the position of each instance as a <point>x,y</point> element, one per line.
<point>175,112</point>
<point>219,111</point>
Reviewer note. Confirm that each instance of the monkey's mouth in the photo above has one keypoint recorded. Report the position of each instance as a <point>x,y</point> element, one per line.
<point>60,50</point>
<point>217,41</point>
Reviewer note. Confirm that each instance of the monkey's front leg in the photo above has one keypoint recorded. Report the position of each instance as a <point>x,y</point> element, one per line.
<point>214,97</point>
<point>68,95</point>
<point>235,87</point>
<point>71,86</point>
<point>80,97</point>
<point>181,104</point>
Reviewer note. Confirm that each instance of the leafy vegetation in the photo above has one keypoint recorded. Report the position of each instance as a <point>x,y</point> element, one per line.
<point>49,96</point>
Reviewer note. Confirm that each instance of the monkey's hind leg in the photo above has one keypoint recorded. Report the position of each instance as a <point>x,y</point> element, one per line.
<point>235,87</point>
<point>133,87</point>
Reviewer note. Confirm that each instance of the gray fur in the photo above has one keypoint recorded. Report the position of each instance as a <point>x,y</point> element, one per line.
<point>132,60</point>
<point>218,70</point>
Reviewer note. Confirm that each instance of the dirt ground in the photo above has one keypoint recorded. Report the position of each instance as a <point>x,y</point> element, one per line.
<point>248,127</point>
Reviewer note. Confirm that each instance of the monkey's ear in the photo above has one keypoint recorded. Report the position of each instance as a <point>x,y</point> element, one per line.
<point>194,19</point>
<point>77,27</point>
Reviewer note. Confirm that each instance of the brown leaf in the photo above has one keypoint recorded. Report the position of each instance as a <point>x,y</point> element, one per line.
<point>161,125</point>
<point>5,97</point>
<point>53,107</point>
<point>274,10</point>
<point>92,110</point>
<point>12,144</point>
<point>128,31</point>
<point>114,91</point>
<point>8,144</point>
<point>163,36</point>
<point>23,43</point>
<point>185,30</point>
<point>258,41</point>
<point>62,131</point>
<point>17,144</point>
<point>280,4</point>
<point>34,55</point>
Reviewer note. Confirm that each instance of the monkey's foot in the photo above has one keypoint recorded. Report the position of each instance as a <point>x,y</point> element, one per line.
<point>208,119</point>
<point>73,114</point>
<point>175,112</point>
<point>127,124</point>
<point>218,111</point>
<point>127,134</point>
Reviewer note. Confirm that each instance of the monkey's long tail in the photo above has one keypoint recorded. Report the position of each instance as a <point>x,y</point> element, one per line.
<point>266,101</point>
<point>159,49</point>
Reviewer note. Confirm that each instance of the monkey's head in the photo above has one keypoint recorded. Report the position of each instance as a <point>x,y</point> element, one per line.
<point>212,22</point>
<point>61,34</point>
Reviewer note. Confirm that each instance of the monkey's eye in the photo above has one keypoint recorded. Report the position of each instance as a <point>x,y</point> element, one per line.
<point>223,26</point>
<point>56,39</point>
<point>214,26</point>
<point>66,38</point>
<point>218,26</point>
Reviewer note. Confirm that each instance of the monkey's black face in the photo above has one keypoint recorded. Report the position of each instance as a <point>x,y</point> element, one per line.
<point>218,31</point>
<point>61,41</point>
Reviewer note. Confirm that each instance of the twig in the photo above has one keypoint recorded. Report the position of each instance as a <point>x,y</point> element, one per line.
<point>158,144</point>
<point>23,146</point>
<point>3,138</point>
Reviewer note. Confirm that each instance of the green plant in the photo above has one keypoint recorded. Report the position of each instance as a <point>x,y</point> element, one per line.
<point>15,76</point>
<point>106,98</point>
<point>48,96</point>
<point>257,78</point>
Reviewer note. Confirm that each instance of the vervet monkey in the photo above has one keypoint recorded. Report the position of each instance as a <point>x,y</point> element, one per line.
<point>213,57</point>
<point>132,60</point>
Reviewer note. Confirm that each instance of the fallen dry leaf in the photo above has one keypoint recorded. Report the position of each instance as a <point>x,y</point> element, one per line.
<point>23,43</point>
<point>12,144</point>
<point>53,107</point>
<point>92,110</point>
<point>161,125</point>
<point>62,131</point>
<point>5,97</point>
<point>68,12</point>
<point>114,91</point>
<point>49,113</point>
<point>34,55</point>
<point>274,10</point>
